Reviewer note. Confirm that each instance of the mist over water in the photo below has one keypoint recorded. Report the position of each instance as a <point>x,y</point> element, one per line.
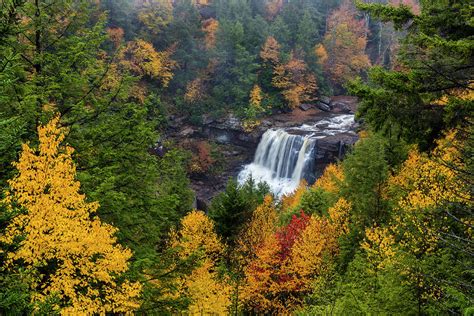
<point>284,157</point>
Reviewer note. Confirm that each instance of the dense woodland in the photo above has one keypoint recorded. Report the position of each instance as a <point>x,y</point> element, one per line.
<point>92,221</point>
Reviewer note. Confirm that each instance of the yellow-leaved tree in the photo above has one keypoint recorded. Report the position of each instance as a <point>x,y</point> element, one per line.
<point>72,256</point>
<point>208,293</point>
<point>331,179</point>
<point>254,110</point>
<point>432,200</point>
<point>296,82</point>
<point>142,59</point>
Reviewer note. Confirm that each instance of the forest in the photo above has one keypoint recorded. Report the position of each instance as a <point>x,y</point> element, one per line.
<point>236,157</point>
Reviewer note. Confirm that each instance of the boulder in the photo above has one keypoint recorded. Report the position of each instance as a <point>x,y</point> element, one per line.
<point>325,100</point>
<point>207,119</point>
<point>341,107</point>
<point>188,131</point>
<point>323,107</point>
<point>305,106</point>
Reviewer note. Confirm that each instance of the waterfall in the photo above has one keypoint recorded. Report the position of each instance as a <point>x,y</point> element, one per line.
<point>282,160</point>
<point>284,157</point>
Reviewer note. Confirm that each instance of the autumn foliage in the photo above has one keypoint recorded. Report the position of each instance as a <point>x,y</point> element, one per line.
<point>202,159</point>
<point>297,84</point>
<point>207,291</point>
<point>141,58</point>
<point>342,52</point>
<point>70,254</point>
<point>287,261</point>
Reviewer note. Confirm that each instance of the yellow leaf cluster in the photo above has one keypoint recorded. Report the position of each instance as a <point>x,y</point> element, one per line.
<point>254,109</point>
<point>431,181</point>
<point>298,85</point>
<point>270,51</point>
<point>207,292</point>
<point>339,215</point>
<point>466,94</point>
<point>141,58</point>
<point>210,28</point>
<point>262,225</point>
<point>319,239</point>
<point>196,234</point>
<point>256,96</point>
<point>379,244</point>
<point>333,175</point>
<point>155,15</point>
<point>195,91</point>
<point>58,229</point>
<point>290,202</point>
<point>321,53</point>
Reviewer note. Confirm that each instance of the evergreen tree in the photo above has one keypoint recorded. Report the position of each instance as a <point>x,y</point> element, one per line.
<point>430,92</point>
<point>235,72</point>
<point>234,207</point>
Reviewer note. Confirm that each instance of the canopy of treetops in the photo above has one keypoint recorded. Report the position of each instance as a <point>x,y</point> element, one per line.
<point>92,221</point>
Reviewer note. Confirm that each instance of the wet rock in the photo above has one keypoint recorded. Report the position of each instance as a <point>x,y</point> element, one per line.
<point>175,122</point>
<point>266,124</point>
<point>188,131</point>
<point>305,106</point>
<point>331,149</point>
<point>206,120</point>
<point>325,100</point>
<point>341,107</point>
<point>323,107</point>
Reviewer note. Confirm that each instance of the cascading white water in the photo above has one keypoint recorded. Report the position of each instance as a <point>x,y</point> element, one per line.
<point>285,157</point>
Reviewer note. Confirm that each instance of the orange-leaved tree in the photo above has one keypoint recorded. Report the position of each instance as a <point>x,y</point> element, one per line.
<point>296,82</point>
<point>71,255</point>
<point>285,264</point>
<point>210,28</point>
<point>342,53</point>
<point>270,286</point>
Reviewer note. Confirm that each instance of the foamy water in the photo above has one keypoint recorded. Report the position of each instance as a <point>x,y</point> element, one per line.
<point>283,159</point>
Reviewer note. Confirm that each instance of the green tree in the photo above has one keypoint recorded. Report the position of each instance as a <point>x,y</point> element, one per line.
<point>429,89</point>
<point>235,72</point>
<point>234,207</point>
<point>55,63</point>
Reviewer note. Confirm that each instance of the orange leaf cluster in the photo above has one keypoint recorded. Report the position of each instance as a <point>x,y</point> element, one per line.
<point>202,158</point>
<point>298,85</point>
<point>342,53</point>
<point>272,8</point>
<point>270,52</point>
<point>286,261</point>
<point>210,28</point>
<point>115,35</point>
